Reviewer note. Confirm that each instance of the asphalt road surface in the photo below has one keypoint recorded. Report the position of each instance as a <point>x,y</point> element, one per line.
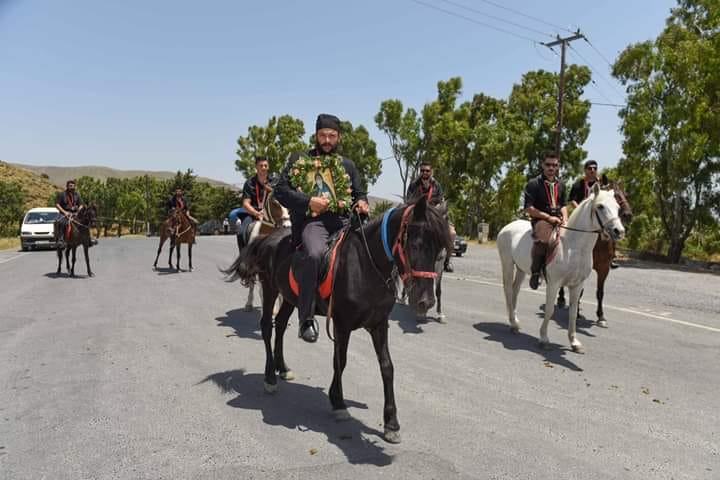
<point>137,374</point>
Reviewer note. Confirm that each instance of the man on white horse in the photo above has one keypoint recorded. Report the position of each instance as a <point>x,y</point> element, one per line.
<point>255,190</point>
<point>545,203</point>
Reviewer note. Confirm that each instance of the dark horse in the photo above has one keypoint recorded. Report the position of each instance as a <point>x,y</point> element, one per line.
<point>363,293</point>
<point>604,252</point>
<point>79,226</point>
<point>178,229</point>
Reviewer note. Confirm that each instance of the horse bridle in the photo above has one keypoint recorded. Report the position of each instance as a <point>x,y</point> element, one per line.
<point>400,248</point>
<point>597,215</point>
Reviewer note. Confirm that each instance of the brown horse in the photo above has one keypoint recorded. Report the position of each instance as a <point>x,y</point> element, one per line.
<point>179,229</point>
<point>603,253</point>
<point>79,234</point>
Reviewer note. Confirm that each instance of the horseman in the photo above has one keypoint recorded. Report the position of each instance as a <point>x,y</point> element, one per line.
<point>312,222</point>
<point>545,203</point>
<point>254,193</point>
<point>178,201</point>
<point>428,186</point>
<point>68,204</point>
<point>582,188</point>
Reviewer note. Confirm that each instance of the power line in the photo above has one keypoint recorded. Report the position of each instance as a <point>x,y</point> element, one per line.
<point>499,19</point>
<point>596,72</point>
<point>517,12</point>
<point>609,63</point>
<point>486,25</point>
<point>607,104</point>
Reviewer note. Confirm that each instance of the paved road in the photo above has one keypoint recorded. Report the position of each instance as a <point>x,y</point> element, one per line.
<point>136,374</point>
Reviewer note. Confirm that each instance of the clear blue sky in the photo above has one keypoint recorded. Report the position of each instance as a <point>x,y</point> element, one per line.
<point>167,85</point>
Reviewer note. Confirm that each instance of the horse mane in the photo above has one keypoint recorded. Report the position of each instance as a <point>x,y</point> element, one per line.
<point>433,220</point>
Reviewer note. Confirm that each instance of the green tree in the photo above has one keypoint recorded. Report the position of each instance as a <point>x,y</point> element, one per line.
<point>282,136</point>
<point>381,207</point>
<point>671,122</point>
<point>12,199</point>
<point>402,128</point>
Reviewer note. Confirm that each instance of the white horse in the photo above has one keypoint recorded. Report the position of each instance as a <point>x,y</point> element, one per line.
<point>274,216</point>
<point>572,263</point>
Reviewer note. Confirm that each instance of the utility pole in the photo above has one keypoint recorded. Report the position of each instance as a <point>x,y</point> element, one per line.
<point>563,42</point>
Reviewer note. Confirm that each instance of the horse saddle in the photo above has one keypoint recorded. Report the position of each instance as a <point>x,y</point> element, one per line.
<point>327,267</point>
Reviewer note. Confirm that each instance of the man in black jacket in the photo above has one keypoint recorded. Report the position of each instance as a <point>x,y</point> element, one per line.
<point>313,231</point>
<point>68,203</point>
<point>545,203</point>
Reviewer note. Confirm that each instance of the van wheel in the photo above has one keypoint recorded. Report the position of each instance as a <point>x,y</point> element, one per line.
<point>25,248</point>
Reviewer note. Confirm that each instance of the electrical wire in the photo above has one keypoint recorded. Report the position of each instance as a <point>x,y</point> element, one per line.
<point>517,12</point>
<point>499,19</point>
<point>596,72</point>
<point>486,25</point>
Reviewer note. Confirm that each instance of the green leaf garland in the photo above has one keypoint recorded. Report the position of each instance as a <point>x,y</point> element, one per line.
<point>305,165</point>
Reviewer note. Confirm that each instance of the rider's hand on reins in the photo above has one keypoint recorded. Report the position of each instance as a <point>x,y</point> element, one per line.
<point>319,205</point>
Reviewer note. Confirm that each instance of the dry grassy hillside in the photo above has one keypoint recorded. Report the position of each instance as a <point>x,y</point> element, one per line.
<point>59,175</point>
<point>37,188</point>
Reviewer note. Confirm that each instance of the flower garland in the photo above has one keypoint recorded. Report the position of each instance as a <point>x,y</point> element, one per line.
<point>301,179</point>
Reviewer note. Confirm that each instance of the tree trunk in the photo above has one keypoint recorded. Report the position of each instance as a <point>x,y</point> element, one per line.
<point>677,244</point>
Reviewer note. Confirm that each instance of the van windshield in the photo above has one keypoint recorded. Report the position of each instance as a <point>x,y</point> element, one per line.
<point>40,217</point>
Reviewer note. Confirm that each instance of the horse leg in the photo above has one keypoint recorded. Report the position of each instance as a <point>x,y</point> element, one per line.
<point>86,247</point>
<point>380,342</point>
<point>266,325</point>
<point>72,270</point>
<point>511,286</point>
<point>580,316</point>
<point>172,247</point>
<point>59,255</point>
<point>438,296</point>
<point>342,340</point>
<point>600,294</point>
<point>575,344</point>
<point>251,294</point>
<point>561,298</point>
<point>281,321</point>
<point>67,260</point>
<point>162,241</point>
<point>190,256</point>
<point>177,254</point>
<point>551,291</point>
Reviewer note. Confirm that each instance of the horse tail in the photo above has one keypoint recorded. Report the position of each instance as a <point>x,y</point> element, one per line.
<point>247,264</point>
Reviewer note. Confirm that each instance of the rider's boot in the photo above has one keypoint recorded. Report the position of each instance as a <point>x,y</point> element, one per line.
<point>448,267</point>
<point>538,260</point>
<point>308,329</point>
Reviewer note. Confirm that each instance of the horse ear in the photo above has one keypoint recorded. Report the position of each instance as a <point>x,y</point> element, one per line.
<point>596,189</point>
<point>604,179</point>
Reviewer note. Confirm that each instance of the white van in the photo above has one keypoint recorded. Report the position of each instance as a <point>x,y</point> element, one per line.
<point>37,228</point>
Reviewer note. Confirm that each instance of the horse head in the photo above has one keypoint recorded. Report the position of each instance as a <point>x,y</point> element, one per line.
<point>425,238</point>
<point>89,215</point>
<point>278,215</point>
<point>606,211</point>
<point>626,213</point>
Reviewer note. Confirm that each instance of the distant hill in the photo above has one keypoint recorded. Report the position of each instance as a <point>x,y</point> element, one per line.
<point>38,190</point>
<point>59,175</point>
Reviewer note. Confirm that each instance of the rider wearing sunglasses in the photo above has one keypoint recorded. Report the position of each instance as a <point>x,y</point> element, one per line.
<point>581,189</point>
<point>545,203</point>
<point>426,185</point>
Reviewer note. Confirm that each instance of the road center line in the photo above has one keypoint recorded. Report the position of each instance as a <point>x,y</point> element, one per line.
<point>605,305</point>
<point>13,258</point>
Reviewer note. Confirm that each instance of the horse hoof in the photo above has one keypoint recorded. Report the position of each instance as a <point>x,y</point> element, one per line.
<point>602,323</point>
<point>341,415</point>
<point>581,317</point>
<point>514,330</point>
<point>392,436</point>
<point>287,375</point>
<point>578,348</point>
<point>270,388</point>
<point>91,274</point>
<point>248,308</point>
<point>442,318</point>
<point>545,346</point>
